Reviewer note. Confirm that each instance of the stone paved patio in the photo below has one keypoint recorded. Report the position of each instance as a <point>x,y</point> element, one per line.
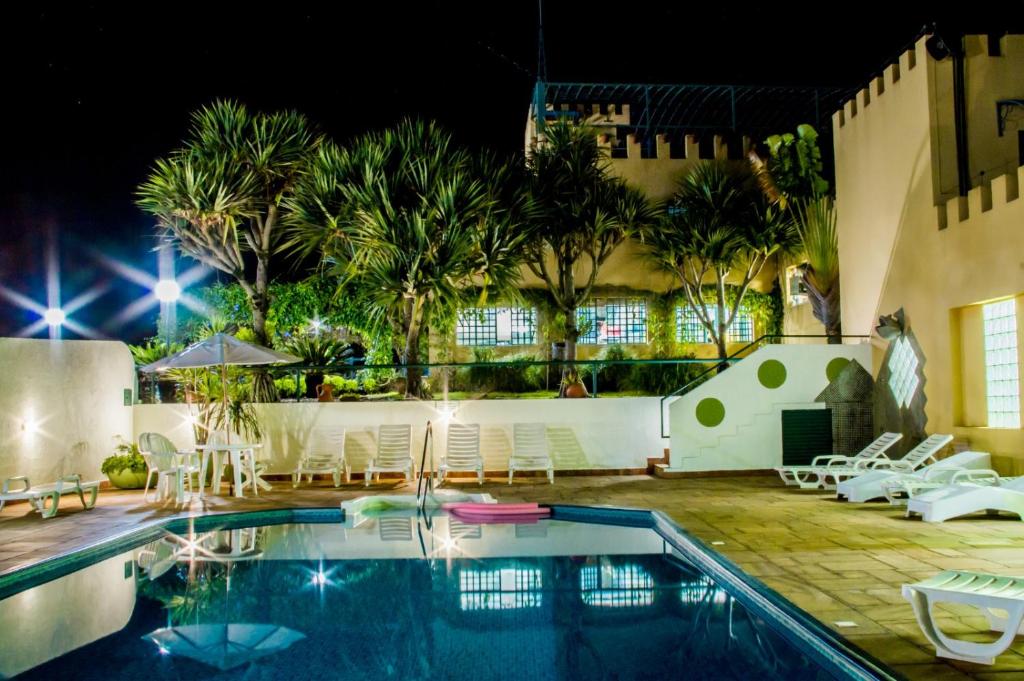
<point>838,561</point>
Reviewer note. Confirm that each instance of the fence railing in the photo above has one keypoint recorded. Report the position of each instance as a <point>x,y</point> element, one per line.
<point>766,339</point>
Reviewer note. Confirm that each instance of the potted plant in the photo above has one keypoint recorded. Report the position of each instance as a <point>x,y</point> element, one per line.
<point>572,384</point>
<point>126,469</point>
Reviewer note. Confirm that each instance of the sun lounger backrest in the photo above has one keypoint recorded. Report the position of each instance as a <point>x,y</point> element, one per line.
<point>530,442</point>
<point>393,444</point>
<point>463,443</point>
<point>878,447</point>
<point>927,449</point>
<point>328,442</point>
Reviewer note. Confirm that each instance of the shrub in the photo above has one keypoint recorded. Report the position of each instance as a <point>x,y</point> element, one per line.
<point>285,386</point>
<point>512,373</point>
<point>342,384</point>
<point>613,377</point>
<point>662,379</point>
<point>128,457</point>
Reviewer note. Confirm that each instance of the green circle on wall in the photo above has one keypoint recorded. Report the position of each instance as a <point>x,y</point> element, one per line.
<point>771,373</point>
<point>710,412</point>
<point>835,367</point>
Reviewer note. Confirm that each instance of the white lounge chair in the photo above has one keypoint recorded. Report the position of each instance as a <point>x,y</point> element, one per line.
<point>38,496</point>
<point>394,453</point>
<point>171,465</point>
<point>326,454</point>
<point>1000,599</point>
<point>530,450</point>
<point>462,451</point>
<point>900,489</point>
<point>806,476</point>
<point>833,474</point>
<point>970,492</point>
<point>874,484</point>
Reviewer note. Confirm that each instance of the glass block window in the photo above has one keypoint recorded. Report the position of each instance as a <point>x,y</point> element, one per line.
<point>903,379</point>
<point>702,590</point>
<point>614,321</point>
<point>502,589</point>
<point>496,326</point>
<point>1002,376</point>
<point>616,586</point>
<point>690,330</point>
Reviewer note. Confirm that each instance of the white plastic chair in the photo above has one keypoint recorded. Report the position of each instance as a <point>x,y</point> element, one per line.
<point>831,475</point>
<point>170,464</point>
<point>806,476</point>
<point>326,454</point>
<point>530,450</point>
<point>394,453</point>
<point>1000,599</point>
<point>876,483</point>
<point>462,451</point>
<point>970,492</point>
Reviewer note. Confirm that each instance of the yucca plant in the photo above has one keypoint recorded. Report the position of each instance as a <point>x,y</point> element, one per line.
<point>819,239</point>
<point>716,225</point>
<point>413,223</point>
<point>218,198</point>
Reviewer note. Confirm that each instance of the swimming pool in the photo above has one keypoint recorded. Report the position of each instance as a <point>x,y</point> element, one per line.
<point>309,594</point>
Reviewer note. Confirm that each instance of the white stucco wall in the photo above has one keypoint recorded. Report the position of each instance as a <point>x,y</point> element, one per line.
<point>61,406</point>
<point>749,437</point>
<point>583,434</point>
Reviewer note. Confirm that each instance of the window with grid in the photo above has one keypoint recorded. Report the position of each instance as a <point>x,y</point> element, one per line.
<point>496,326</point>
<point>616,586</point>
<point>1002,378</point>
<point>502,589</point>
<point>613,321</point>
<point>689,328</point>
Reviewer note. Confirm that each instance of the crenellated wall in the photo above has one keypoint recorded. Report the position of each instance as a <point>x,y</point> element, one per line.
<point>905,243</point>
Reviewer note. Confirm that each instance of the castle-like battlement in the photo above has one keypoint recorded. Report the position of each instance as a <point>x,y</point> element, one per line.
<point>886,81</point>
<point>993,195</point>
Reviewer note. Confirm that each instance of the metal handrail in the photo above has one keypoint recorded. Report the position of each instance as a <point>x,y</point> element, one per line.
<point>734,357</point>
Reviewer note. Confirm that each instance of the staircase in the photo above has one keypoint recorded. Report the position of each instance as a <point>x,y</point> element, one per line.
<point>733,421</point>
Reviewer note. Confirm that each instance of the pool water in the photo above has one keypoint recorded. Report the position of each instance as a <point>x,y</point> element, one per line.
<point>399,596</point>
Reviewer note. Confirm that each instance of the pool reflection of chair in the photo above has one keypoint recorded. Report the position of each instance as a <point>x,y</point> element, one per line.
<point>458,529</point>
<point>217,546</point>
<point>224,646</point>
<point>395,528</point>
<point>531,531</point>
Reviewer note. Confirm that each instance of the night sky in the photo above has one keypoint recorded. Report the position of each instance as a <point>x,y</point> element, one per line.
<point>94,92</point>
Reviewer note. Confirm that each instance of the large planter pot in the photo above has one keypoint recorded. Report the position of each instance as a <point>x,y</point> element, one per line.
<point>127,479</point>
<point>575,390</point>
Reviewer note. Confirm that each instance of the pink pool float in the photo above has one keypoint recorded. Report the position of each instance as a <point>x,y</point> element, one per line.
<point>497,513</point>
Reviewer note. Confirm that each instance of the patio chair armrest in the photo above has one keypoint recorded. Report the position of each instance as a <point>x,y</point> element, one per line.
<point>871,464</point>
<point>940,474</point>
<point>829,460</point>
<point>17,478</point>
<point>971,475</point>
<point>895,466</point>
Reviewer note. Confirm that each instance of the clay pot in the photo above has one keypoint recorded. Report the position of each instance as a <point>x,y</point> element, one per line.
<point>325,392</point>
<point>575,390</point>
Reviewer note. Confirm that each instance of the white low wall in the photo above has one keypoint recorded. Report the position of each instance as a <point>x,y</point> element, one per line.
<point>61,406</point>
<point>749,436</point>
<point>583,434</point>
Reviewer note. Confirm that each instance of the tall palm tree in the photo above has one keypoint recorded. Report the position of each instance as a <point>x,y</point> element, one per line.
<point>218,198</point>
<point>715,225</point>
<point>581,214</point>
<point>415,224</point>
<point>791,178</point>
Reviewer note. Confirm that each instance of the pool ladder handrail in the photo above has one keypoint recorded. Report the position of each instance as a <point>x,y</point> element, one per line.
<point>425,482</point>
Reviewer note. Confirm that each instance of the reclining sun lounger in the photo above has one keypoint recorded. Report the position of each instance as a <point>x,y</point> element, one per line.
<point>875,483</point>
<point>831,475</point>
<point>995,596</point>
<point>806,476</point>
<point>39,495</point>
<point>970,492</point>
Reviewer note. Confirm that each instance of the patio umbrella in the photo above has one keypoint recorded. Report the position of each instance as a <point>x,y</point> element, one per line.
<point>224,646</point>
<point>223,350</point>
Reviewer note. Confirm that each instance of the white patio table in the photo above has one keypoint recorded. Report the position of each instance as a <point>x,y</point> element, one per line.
<point>234,451</point>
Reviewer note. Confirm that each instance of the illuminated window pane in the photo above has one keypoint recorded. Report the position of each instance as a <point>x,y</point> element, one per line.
<point>488,326</point>
<point>703,590</point>
<point>613,321</point>
<point>1002,377</point>
<point>616,586</point>
<point>500,589</point>
<point>903,365</point>
<point>689,328</point>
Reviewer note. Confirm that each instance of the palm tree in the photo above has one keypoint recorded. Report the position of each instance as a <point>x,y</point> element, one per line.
<point>715,224</point>
<point>791,178</point>
<point>581,214</point>
<point>218,198</point>
<point>416,225</point>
